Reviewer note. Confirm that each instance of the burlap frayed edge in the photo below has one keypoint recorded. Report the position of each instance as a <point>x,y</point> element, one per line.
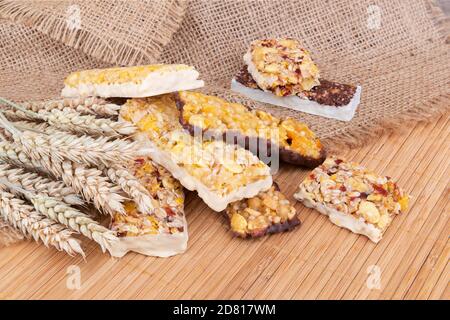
<point>353,138</point>
<point>440,19</point>
<point>111,51</point>
<point>425,112</point>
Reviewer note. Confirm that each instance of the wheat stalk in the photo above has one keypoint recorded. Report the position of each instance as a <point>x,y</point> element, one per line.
<point>67,216</point>
<point>86,106</point>
<point>32,181</point>
<point>8,234</point>
<point>133,187</point>
<point>90,182</point>
<point>31,223</point>
<point>73,121</point>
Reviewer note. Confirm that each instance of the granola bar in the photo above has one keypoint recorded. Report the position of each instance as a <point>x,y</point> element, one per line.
<point>268,212</point>
<point>353,197</point>
<point>219,172</point>
<point>280,72</point>
<point>146,232</point>
<point>252,129</point>
<point>136,81</point>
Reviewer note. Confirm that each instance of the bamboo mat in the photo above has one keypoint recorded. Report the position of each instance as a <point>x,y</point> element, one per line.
<point>316,261</point>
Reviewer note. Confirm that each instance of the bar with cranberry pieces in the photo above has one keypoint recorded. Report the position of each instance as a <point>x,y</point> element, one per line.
<point>353,197</point>
<point>152,233</point>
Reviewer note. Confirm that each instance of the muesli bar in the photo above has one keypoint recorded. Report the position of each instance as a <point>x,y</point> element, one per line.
<point>281,72</point>
<point>147,232</point>
<point>267,213</point>
<point>252,129</point>
<point>220,173</point>
<point>353,197</point>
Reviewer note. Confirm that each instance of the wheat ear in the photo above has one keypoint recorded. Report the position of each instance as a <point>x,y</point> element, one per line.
<point>133,187</point>
<point>73,121</point>
<point>67,216</point>
<point>84,149</point>
<point>8,234</point>
<point>86,106</point>
<point>32,181</point>
<point>69,120</point>
<point>16,115</point>
<point>90,182</point>
<point>31,223</point>
<point>61,146</point>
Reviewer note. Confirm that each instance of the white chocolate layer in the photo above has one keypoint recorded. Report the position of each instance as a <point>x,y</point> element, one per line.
<point>340,219</point>
<point>343,113</point>
<point>154,84</point>
<point>213,200</point>
<point>159,245</point>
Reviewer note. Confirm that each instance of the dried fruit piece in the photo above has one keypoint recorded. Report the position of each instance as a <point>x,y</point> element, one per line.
<point>268,212</point>
<point>252,129</point>
<point>219,172</point>
<point>148,232</point>
<point>137,81</point>
<point>353,197</point>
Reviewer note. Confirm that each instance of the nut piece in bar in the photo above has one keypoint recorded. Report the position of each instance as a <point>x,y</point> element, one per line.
<point>136,81</point>
<point>220,173</point>
<point>145,232</point>
<point>269,212</point>
<point>235,123</point>
<point>353,197</point>
<point>280,72</point>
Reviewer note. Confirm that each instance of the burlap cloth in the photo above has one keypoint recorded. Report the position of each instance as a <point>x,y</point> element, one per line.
<point>395,49</point>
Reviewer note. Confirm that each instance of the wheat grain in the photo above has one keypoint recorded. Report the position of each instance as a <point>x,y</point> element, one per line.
<point>133,187</point>
<point>5,135</point>
<point>90,182</point>
<point>34,182</point>
<point>31,223</point>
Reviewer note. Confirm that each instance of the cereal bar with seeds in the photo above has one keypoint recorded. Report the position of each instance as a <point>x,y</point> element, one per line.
<point>220,173</point>
<point>146,232</point>
<point>353,197</point>
<point>268,212</point>
<point>127,82</point>
<point>255,130</point>
<point>281,72</point>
